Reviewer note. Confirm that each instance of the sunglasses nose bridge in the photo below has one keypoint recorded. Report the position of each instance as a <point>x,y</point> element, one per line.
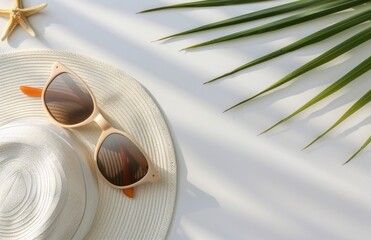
<point>102,122</point>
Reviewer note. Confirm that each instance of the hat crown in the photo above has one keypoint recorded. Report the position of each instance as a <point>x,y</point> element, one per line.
<point>11,199</point>
<point>43,188</point>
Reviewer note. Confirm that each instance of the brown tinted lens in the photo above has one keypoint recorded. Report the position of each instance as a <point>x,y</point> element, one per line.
<point>68,100</point>
<point>120,161</point>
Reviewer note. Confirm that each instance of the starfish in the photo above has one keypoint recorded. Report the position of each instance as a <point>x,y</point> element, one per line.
<point>18,15</point>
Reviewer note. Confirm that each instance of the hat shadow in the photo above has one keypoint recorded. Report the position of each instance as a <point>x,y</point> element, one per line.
<point>189,199</point>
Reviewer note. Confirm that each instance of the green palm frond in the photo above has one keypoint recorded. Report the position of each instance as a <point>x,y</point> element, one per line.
<point>354,108</point>
<point>331,54</point>
<point>205,3</point>
<point>307,10</point>
<point>360,149</point>
<point>310,14</point>
<point>269,12</point>
<point>321,35</point>
<point>364,67</point>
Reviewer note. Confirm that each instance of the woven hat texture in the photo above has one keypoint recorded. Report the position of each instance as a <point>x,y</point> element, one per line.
<point>47,189</point>
<point>129,107</point>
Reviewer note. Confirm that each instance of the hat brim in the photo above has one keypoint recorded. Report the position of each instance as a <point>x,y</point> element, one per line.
<point>129,107</point>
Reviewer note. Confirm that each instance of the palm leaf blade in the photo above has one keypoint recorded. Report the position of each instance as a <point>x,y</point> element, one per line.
<point>354,108</point>
<point>362,68</point>
<point>311,39</point>
<point>205,3</point>
<point>310,14</point>
<point>269,12</point>
<point>338,50</point>
<point>367,142</point>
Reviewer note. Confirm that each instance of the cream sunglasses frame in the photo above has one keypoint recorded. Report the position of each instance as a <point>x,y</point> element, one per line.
<point>107,129</point>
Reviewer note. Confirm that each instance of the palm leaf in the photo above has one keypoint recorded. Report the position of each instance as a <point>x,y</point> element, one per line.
<point>309,14</point>
<point>334,52</point>
<point>311,39</point>
<point>269,12</point>
<point>312,9</point>
<point>354,108</point>
<point>362,68</point>
<point>205,3</point>
<point>360,149</point>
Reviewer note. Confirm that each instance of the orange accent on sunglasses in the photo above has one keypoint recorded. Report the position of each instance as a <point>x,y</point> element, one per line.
<point>31,91</point>
<point>129,192</point>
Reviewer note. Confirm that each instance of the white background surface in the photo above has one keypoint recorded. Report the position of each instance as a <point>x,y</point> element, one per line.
<point>231,183</point>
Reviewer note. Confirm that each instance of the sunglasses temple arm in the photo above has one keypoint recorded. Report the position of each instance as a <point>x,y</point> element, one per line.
<point>37,92</point>
<point>31,91</point>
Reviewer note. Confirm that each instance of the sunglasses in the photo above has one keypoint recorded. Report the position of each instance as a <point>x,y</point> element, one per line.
<point>70,103</point>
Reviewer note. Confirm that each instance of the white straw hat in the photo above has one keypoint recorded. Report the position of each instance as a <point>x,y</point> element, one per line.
<point>129,107</point>
<point>47,188</point>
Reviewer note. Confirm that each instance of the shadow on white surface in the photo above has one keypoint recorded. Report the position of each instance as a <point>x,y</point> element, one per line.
<point>232,184</point>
